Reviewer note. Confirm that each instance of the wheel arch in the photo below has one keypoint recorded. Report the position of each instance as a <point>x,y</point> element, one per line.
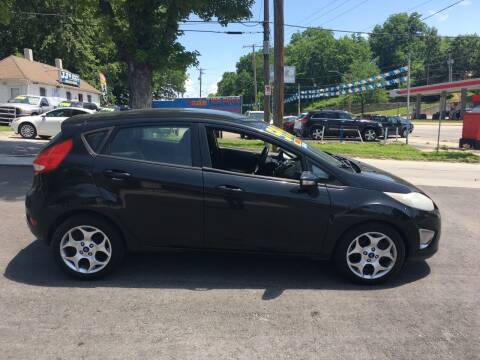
<point>398,229</point>
<point>82,212</point>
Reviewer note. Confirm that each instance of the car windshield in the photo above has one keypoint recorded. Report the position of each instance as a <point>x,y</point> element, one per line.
<point>21,99</point>
<point>285,136</point>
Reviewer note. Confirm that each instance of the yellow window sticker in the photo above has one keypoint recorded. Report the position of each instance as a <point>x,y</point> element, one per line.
<point>20,97</point>
<point>283,134</point>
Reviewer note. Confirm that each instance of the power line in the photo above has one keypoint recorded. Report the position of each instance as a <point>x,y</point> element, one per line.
<point>441,10</point>
<point>346,12</point>
<point>329,11</point>
<point>221,32</point>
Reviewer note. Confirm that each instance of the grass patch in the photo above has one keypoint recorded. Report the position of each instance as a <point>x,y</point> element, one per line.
<point>371,150</point>
<point>5,128</point>
<point>396,152</point>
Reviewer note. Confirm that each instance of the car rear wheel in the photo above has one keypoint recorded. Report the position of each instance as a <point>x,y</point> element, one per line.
<point>316,133</point>
<point>370,254</point>
<point>87,247</point>
<point>369,134</point>
<point>27,131</point>
<point>405,133</point>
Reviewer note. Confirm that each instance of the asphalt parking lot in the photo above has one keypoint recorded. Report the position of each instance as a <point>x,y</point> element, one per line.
<point>198,306</point>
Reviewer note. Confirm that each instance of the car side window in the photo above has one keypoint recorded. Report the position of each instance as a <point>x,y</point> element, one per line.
<point>55,113</point>
<point>44,102</point>
<point>244,153</point>
<point>77,112</point>
<point>160,143</point>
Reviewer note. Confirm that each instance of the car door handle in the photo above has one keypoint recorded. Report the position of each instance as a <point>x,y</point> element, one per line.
<point>229,188</point>
<point>117,174</point>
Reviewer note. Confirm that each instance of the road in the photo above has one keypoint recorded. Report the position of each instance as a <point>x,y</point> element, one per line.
<point>425,136</point>
<point>191,306</point>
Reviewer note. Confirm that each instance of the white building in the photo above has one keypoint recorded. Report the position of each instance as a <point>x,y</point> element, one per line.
<point>24,76</point>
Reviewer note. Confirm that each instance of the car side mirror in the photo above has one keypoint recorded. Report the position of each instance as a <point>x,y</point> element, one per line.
<point>308,180</point>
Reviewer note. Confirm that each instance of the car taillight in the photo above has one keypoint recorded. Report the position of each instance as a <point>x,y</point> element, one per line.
<point>51,158</point>
<point>304,119</point>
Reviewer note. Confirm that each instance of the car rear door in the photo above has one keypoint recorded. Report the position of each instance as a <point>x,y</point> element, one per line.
<point>151,181</point>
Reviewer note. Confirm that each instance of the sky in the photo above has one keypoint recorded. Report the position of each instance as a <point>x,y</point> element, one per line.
<point>220,52</point>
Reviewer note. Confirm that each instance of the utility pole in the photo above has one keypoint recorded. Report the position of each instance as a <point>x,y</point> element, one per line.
<point>200,73</point>
<point>408,86</point>
<point>450,62</point>
<point>299,103</point>
<point>266,60</point>
<point>278,87</point>
<point>349,95</point>
<point>254,66</point>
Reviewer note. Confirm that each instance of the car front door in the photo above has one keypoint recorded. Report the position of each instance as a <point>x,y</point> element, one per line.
<point>244,211</point>
<point>152,182</point>
<point>50,123</point>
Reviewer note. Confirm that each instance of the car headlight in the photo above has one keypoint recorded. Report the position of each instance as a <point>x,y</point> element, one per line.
<point>414,200</point>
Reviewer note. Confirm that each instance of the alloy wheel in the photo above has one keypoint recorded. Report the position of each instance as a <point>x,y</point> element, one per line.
<point>317,134</point>
<point>371,255</point>
<point>370,135</point>
<point>85,249</point>
<point>27,131</point>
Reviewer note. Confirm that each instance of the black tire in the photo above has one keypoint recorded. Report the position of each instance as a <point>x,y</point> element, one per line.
<point>345,243</point>
<point>405,133</point>
<point>369,134</point>
<point>27,131</point>
<point>117,247</point>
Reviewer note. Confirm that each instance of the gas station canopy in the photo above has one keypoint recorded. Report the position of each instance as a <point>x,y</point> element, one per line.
<point>437,89</point>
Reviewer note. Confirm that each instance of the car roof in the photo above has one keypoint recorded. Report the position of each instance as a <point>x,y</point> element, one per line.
<point>74,108</point>
<point>106,119</point>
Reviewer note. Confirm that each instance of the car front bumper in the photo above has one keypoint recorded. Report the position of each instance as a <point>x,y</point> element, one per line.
<point>427,227</point>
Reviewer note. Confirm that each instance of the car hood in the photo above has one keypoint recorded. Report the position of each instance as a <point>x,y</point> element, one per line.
<point>373,178</point>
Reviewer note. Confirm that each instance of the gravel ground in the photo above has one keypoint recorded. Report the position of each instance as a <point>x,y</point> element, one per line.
<point>192,306</point>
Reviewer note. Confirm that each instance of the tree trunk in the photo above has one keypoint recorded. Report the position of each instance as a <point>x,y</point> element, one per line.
<point>140,81</point>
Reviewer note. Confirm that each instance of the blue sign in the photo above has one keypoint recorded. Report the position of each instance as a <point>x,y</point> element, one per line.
<point>66,77</point>
<point>225,103</point>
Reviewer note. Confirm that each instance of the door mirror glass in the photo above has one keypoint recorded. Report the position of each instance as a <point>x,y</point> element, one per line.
<point>308,180</point>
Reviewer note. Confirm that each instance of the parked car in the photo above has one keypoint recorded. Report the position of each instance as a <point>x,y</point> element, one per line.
<point>45,125</point>
<point>289,122</point>
<point>393,124</point>
<point>160,179</point>
<point>24,105</point>
<point>336,123</point>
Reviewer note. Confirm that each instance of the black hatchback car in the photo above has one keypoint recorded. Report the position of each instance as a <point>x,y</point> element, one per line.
<point>182,179</point>
<point>317,123</point>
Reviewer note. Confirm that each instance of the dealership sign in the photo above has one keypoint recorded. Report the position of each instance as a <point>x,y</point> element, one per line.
<point>68,78</point>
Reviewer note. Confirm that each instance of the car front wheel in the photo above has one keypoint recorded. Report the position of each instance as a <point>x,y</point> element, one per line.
<point>369,135</point>
<point>370,254</point>
<point>87,247</point>
<point>27,131</point>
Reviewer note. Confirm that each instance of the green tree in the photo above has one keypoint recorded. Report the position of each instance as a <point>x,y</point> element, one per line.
<point>465,50</point>
<point>145,33</point>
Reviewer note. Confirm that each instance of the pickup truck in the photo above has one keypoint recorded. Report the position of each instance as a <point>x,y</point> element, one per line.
<point>24,105</point>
